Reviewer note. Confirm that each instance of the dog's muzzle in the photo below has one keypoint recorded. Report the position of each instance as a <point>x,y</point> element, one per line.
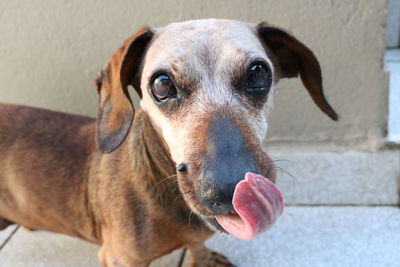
<point>243,202</point>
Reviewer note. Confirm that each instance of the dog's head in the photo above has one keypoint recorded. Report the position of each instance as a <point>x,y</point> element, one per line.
<point>208,87</point>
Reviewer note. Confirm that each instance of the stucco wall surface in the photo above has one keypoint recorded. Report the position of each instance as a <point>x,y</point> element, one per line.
<point>51,50</point>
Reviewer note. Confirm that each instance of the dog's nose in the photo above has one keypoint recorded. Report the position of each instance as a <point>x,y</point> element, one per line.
<point>182,167</point>
<point>225,164</point>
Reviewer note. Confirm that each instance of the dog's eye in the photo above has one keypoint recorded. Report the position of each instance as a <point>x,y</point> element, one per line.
<point>259,78</point>
<point>163,87</point>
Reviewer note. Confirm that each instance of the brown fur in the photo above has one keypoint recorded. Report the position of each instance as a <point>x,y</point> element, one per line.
<point>132,202</point>
<point>113,191</point>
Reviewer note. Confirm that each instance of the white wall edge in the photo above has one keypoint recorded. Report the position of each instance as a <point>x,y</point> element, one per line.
<point>392,65</point>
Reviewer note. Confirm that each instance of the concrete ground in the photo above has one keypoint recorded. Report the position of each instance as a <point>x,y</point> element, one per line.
<point>303,236</point>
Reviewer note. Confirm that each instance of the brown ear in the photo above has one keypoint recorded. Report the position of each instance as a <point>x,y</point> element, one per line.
<point>295,58</point>
<point>116,111</point>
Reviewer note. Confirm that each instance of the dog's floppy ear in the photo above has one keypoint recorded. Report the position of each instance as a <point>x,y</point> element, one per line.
<point>116,111</point>
<point>295,58</point>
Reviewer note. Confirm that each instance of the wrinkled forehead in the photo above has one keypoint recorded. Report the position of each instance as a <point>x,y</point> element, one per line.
<point>215,44</point>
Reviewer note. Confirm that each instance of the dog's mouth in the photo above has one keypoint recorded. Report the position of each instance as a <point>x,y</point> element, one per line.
<point>258,204</point>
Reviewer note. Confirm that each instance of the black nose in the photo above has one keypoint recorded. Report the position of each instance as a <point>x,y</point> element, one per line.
<point>226,164</point>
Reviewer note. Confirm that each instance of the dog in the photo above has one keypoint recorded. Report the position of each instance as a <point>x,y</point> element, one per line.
<point>142,183</point>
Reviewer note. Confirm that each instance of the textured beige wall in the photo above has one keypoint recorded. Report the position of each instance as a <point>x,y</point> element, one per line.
<point>50,50</point>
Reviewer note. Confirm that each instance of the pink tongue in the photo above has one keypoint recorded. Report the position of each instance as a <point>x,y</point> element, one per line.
<point>258,203</point>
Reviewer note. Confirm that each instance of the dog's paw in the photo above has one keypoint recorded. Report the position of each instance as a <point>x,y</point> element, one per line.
<point>201,256</point>
<point>218,260</point>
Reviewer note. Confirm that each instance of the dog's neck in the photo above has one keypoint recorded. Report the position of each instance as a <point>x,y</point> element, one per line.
<point>149,154</point>
<point>152,160</point>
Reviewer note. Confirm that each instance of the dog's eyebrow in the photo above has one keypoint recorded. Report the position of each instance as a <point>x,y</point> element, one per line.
<point>183,76</point>
<point>187,82</point>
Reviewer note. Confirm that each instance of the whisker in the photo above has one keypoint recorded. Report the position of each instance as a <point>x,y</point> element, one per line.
<point>285,171</point>
<point>182,193</point>
<point>289,174</point>
<point>285,160</point>
<point>163,180</point>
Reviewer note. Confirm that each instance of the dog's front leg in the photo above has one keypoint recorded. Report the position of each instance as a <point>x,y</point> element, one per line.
<point>201,256</point>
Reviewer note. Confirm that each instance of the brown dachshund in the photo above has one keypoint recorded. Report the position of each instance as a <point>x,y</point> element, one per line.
<point>188,163</point>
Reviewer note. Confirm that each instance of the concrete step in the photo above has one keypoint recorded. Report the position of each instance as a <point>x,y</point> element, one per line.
<point>324,177</point>
<point>321,236</point>
<point>303,236</point>
<point>45,249</point>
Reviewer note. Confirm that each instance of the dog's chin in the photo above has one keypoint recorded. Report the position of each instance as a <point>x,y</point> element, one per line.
<point>203,214</point>
<point>212,224</point>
